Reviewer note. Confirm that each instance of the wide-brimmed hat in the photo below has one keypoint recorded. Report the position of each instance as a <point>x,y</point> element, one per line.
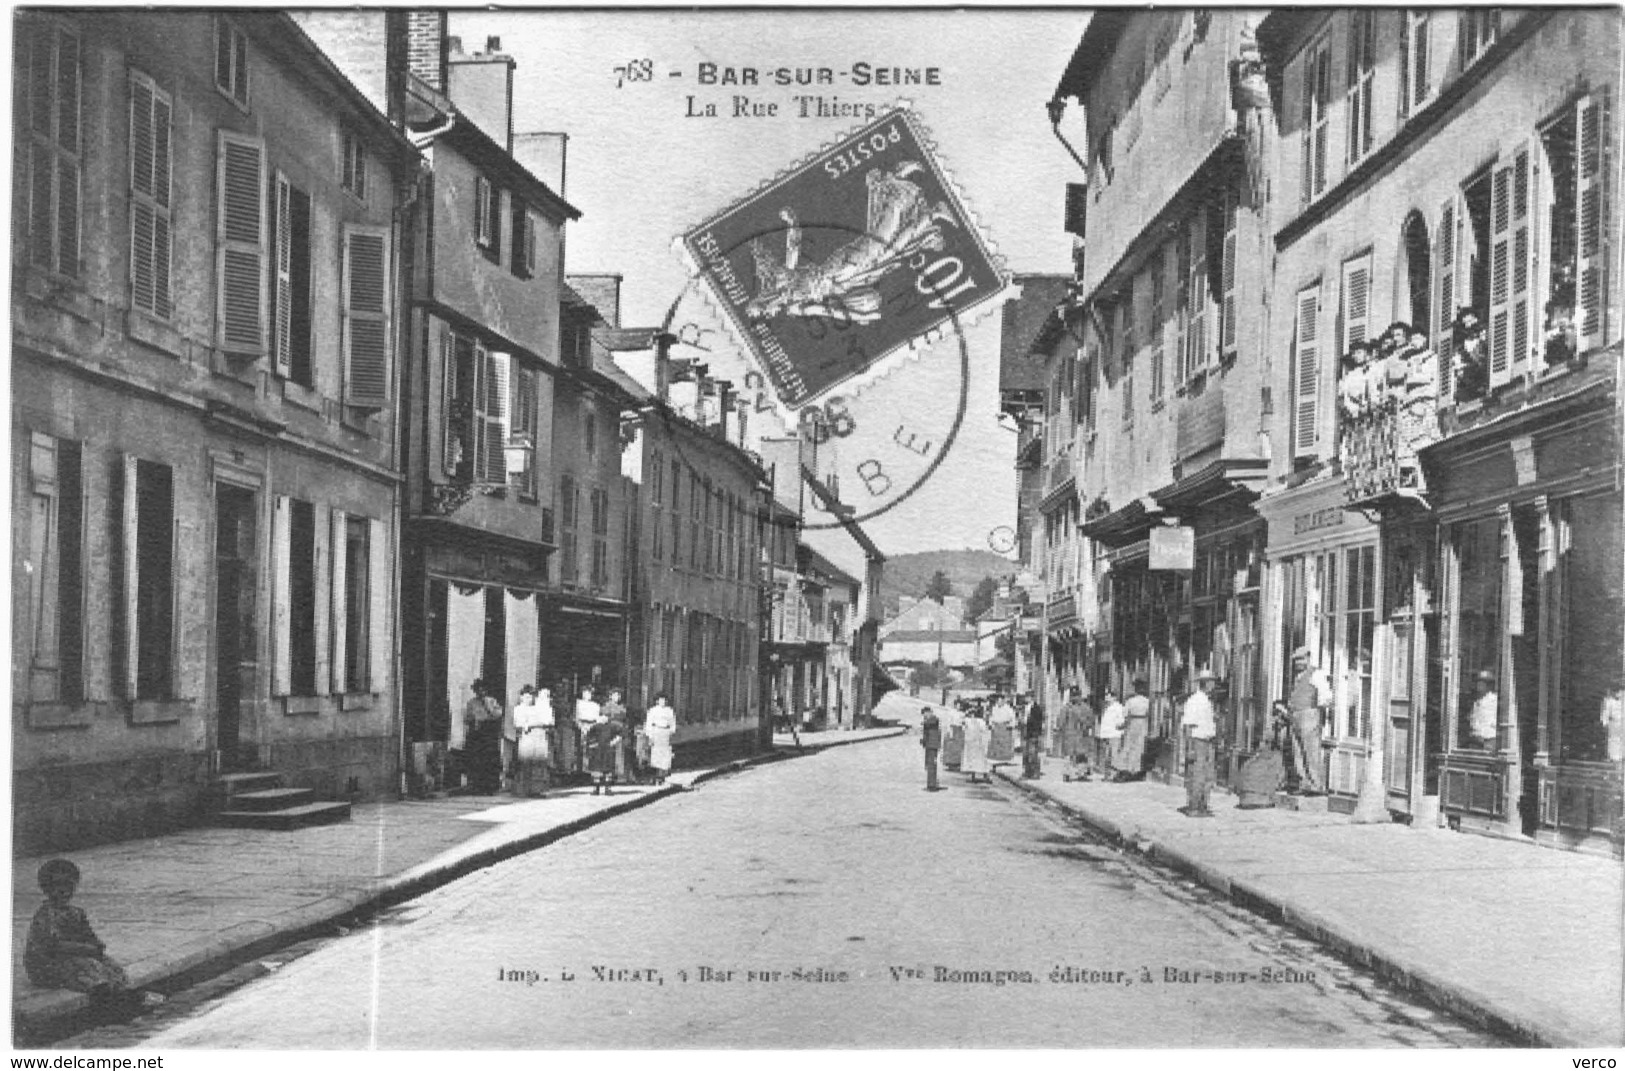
<point>1206,675</point>
<point>1302,652</point>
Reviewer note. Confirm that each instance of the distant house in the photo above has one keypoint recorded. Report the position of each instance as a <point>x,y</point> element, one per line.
<point>924,631</point>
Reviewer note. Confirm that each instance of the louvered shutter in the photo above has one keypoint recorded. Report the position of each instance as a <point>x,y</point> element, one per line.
<point>448,404</point>
<point>284,276</point>
<point>1306,374</point>
<point>366,317</point>
<point>479,419</point>
<point>497,398</point>
<point>530,243</point>
<point>1444,304</point>
<point>319,525</point>
<point>379,655</point>
<point>281,597</point>
<point>1444,261</point>
<point>1591,202</point>
<point>1197,293</point>
<point>1500,325</point>
<point>131,596</point>
<point>1356,302</point>
<point>339,619</point>
<point>149,197</point>
<point>241,245</point>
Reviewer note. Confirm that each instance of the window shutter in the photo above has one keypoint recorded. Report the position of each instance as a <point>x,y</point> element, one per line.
<point>1306,374</point>
<point>479,418</point>
<point>1227,276</point>
<point>1444,305</point>
<point>448,403</point>
<point>281,598</point>
<point>366,317</point>
<point>67,139</point>
<point>499,397</point>
<point>379,658</point>
<point>319,523</point>
<point>1196,293</point>
<point>338,619</point>
<point>1356,302</point>
<point>149,201</point>
<point>132,580</point>
<point>1591,202</point>
<point>482,210</point>
<point>530,243</point>
<point>1511,271</point>
<point>283,224</point>
<point>242,245</point>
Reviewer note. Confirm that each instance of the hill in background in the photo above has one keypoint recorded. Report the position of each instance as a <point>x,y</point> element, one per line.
<point>908,574</point>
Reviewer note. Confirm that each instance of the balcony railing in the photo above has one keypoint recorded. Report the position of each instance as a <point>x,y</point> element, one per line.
<point>1057,473</point>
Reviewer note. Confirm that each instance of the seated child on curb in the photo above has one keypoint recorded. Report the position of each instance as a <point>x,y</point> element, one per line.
<point>63,952</point>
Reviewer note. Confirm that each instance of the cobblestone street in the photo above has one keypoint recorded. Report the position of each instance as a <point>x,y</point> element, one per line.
<point>827,901</point>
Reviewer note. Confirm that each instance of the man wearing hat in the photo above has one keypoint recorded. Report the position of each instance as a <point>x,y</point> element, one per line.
<point>1486,713</point>
<point>1306,703</point>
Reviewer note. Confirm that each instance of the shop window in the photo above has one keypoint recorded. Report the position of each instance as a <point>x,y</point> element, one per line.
<point>1589,544</point>
<point>1355,643</point>
<point>292,312</point>
<point>150,130</point>
<point>55,571</point>
<point>54,87</point>
<point>1478,550</point>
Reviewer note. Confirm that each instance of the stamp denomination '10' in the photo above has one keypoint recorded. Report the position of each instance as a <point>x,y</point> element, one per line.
<point>846,260</point>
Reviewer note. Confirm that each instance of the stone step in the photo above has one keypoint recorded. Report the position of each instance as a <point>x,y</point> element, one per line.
<point>270,799</point>
<point>295,817</point>
<point>1307,804</point>
<point>232,784</point>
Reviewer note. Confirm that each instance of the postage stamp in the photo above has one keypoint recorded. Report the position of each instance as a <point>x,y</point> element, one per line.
<point>838,265</point>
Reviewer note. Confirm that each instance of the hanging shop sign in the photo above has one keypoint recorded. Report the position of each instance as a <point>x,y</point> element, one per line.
<point>1173,547</point>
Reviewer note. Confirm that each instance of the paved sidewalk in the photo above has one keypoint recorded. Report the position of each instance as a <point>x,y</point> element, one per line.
<point>1521,938</point>
<point>185,905</point>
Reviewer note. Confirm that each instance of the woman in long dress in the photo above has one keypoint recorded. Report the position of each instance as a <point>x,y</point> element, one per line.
<point>1002,747</point>
<point>660,726</point>
<point>953,745</point>
<point>532,720</point>
<point>614,710</point>
<point>977,737</point>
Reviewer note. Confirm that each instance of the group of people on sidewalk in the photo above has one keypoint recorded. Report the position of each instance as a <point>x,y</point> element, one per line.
<point>529,747</point>
<point>1111,745</point>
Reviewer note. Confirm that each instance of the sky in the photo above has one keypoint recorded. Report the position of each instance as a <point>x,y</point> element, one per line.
<point>642,171</point>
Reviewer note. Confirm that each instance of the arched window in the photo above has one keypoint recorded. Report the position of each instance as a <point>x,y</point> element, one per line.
<point>1415,277</point>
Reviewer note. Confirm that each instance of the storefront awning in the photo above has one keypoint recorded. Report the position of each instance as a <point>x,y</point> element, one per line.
<point>1123,525</point>
<point>1238,479</point>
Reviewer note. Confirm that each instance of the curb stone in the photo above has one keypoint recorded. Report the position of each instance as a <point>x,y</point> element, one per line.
<point>49,1015</point>
<point>1486,1011</point>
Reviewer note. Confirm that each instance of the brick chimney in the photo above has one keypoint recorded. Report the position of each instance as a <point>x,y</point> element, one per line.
<point>426,47</point>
